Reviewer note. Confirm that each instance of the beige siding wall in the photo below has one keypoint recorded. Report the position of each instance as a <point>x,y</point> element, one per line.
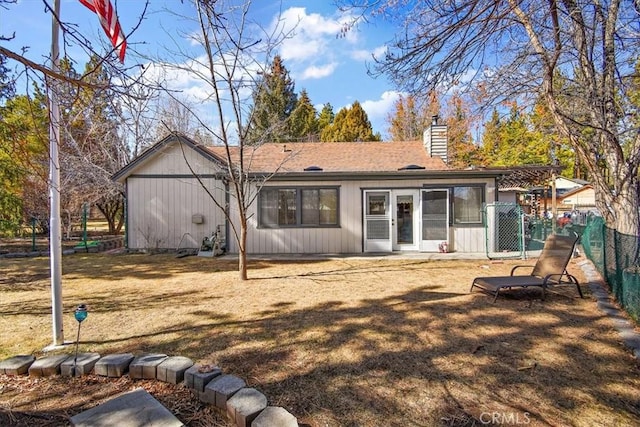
<point>163,196</point>
<point>347,238</point>
<point>160,212</point>
<point>171,161</point>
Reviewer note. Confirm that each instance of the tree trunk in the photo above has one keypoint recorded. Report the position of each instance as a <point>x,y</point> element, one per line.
<point>242,250</point>
<point>626,219</point>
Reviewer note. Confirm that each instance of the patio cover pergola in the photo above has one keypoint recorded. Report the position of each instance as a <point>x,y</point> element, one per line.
<point>529,178</point>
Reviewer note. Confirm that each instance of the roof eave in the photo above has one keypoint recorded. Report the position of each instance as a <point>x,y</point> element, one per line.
<point>389,175</point>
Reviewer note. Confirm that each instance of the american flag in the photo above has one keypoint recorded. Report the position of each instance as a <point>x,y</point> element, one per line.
<point>109,22</point>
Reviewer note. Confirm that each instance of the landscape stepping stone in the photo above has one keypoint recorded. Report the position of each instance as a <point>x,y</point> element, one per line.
<point>275,416</point>
<point>144,367</point>
<point>172,369</point>
<point>198,376</point>
<point>136,408</point>
<point>47,366</point>
<point>113,365</point>
<point>222,388</point>
<point>16,365</point>
<point>83,364</point>
<point>244,406</point>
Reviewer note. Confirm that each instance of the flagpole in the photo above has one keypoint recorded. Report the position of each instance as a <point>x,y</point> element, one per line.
<point>55,240</point>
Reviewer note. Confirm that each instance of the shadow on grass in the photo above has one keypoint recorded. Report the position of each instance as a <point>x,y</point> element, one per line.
<point>431,355</point>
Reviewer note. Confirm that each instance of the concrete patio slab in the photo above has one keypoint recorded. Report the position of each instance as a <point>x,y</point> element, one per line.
<point>136,408</point>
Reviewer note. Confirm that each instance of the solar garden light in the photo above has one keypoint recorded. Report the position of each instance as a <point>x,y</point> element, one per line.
<point>80,314</point>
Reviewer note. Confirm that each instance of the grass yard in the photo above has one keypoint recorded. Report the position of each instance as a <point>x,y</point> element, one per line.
<point>337,342</point>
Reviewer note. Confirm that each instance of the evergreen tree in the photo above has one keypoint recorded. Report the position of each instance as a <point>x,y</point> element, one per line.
<point>462,151</point>
<point>23,161</point>
<point>326,117</point>
<point>303,122</point>
<point>350,124</point>
<point>557,149</point>
<point>274,100</point>
<point>411,116</point>
<point>489,151</point>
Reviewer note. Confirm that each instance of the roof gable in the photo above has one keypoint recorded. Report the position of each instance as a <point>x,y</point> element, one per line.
<point>162,146</point>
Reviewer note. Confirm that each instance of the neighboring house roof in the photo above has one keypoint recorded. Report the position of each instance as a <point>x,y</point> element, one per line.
<point>568,183</point>
<point>575,190</point>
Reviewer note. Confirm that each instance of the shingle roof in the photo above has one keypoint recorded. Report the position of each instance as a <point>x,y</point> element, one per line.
<point>342,157</point>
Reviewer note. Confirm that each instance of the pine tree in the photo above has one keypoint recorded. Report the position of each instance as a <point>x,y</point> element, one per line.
<point>303,122</point>
<point>326,117</point>
<point>350,124</point>
<point>412,116</point>
<point>274,99</point>
<point>489,151</point>
<point>462,151</point>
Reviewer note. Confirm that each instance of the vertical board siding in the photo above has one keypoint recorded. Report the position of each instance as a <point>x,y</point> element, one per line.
<point>161,209</point>
<point>161,206</point>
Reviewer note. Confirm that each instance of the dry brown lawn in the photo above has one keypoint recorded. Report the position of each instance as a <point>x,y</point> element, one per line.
<point>337,342</point>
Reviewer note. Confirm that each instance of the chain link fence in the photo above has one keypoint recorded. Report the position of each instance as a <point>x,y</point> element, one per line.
<point>617,257</point>
<point>504,230</point>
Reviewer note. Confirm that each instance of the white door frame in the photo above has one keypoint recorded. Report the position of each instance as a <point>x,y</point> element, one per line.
<point>377,220</point>
<point>405,224</point>
<point>438,220</point>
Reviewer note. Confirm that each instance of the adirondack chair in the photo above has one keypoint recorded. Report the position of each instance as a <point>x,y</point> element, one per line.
<point>550,270</point>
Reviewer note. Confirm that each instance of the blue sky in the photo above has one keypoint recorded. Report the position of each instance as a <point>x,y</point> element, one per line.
<point>330,68</point>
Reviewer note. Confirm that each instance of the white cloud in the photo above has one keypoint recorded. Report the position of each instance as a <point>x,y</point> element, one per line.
<point>378,109</point>
<point>318,72</point>
<point>368,55</point>
<point>311,35</point>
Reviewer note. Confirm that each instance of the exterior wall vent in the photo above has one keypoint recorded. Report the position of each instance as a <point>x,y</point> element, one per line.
<point>411,168</point>
<point>313,169</point>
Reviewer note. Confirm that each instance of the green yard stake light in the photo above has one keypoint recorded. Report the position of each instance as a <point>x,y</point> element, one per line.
<point>80,314</point>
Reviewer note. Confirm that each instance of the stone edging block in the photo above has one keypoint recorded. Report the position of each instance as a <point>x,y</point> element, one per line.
<point>144,367</point>
<point>172,369</point>
<point>47,366</point>
<point>17,365</point>
<point>113,365</point>
<point>198,376</point>
<point>244,406</point>
<point>83,364</point>
<point>223,387</point>
<point>275,416</point>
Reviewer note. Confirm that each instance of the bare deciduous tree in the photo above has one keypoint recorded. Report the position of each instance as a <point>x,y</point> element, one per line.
<point>233,49</point>
<point>577,55</point>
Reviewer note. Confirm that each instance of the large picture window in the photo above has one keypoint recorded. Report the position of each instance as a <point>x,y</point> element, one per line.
<point>298,207</point>
<point>467,205</point>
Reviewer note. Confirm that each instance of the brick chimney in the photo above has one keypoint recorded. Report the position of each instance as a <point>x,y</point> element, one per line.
<point>435,140</point>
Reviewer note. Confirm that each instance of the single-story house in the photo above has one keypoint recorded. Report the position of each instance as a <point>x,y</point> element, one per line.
<point>310,198</point>
<point>581,198</point>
